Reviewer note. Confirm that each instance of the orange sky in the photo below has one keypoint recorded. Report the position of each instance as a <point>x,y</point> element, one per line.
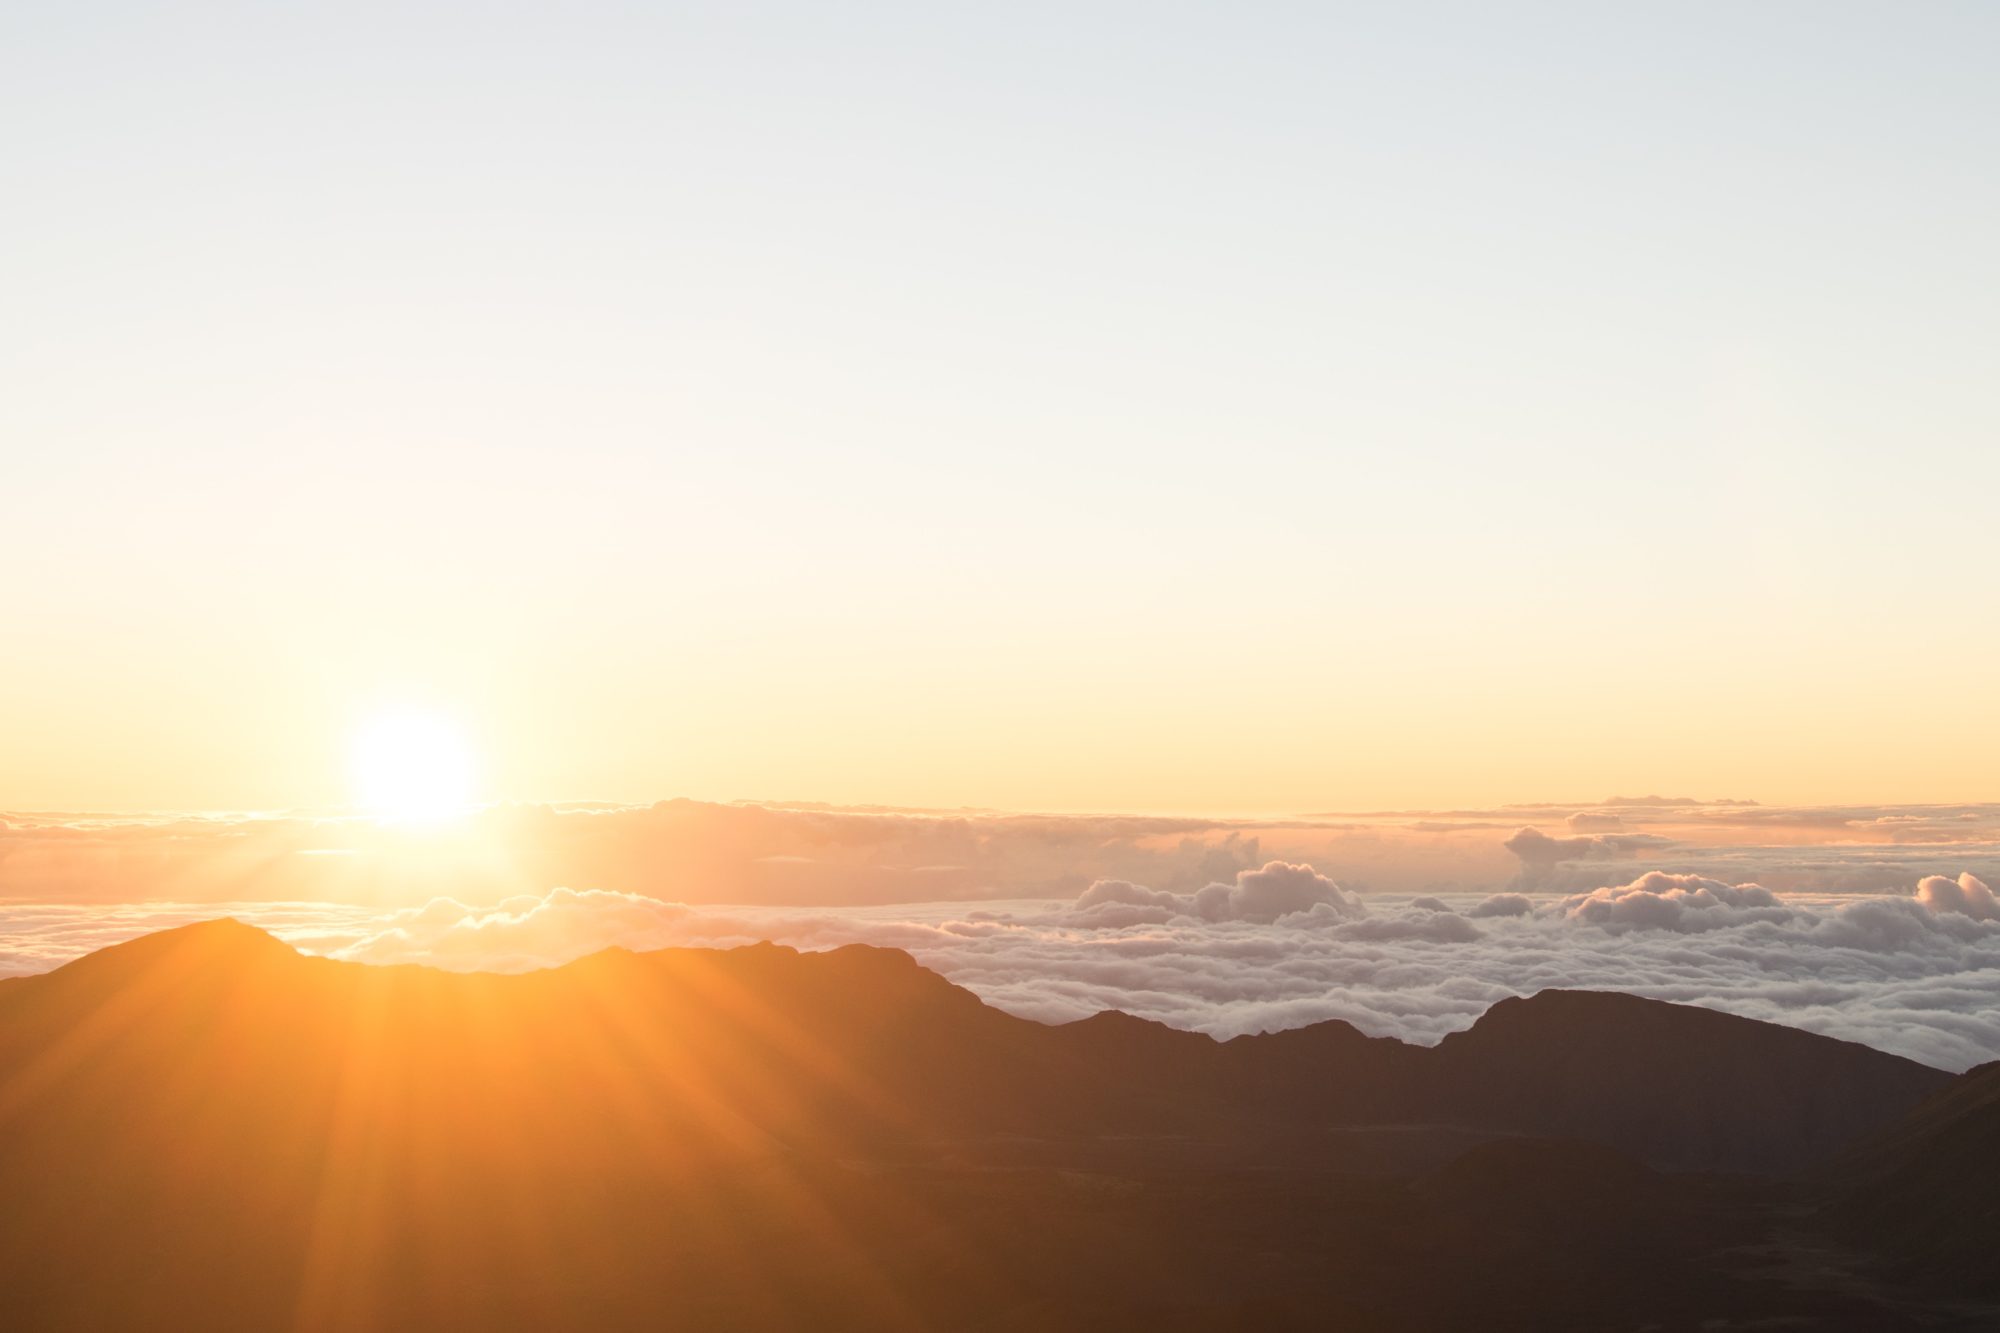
<point>1158,419</point>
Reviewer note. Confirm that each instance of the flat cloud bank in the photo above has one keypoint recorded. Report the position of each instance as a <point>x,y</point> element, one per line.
<point>810,856</point>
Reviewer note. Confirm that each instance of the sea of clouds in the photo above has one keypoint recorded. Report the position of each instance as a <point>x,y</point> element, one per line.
<point>1272,946</point>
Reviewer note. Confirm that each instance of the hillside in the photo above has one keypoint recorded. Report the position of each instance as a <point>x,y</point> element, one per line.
<point>205,1129</point>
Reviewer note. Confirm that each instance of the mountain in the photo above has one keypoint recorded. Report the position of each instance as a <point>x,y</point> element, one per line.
<point>204,1129</point>
<point>1673,1084</point>
<point>1926,1191</point>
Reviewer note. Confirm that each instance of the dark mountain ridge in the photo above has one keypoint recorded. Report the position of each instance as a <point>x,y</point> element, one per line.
<point>1926,1190</point>
<point>204,1128</point>
<point>879,1045</point>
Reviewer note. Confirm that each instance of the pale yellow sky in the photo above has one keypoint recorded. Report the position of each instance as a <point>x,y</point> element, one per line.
<point>1042,409</point>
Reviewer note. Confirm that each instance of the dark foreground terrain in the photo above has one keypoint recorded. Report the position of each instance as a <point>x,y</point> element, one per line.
<point>203,1129</point>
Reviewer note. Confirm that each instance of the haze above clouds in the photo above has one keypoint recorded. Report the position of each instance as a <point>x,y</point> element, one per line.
<point>814,855</point>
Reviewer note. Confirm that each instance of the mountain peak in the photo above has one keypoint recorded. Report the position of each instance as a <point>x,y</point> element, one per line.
<point>222,942</point>
<point>1117,1020</point>
<point>1674,1083</point>
<point>1574,1013</point>
<point>222,934</point>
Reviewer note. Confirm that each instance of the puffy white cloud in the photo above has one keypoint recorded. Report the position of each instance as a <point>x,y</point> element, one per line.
<point>1117,902</point>
<point>1967,895</point>
<point>1878,925</point>
<point>1661,901</point>
<point>1540,854</point>
<point>1275,890</point>
<point>1502,904</point>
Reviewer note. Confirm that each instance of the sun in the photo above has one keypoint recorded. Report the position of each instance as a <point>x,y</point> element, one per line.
<point>412,766</point>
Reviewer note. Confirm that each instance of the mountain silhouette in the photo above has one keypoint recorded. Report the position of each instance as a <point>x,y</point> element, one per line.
<point>1926,1191</point>
<point>203,1128</point>
<point>1673,1084</point>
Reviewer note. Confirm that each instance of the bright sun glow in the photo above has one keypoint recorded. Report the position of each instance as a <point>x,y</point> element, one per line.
<point>412,766</point>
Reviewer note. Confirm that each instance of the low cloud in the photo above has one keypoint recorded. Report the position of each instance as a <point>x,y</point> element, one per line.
<point>1540,853</point>
<point>1967,895</point>
<point>1434,927</point>
<point>1913,972</point>
<point>1271,893</point>
<point>1660,901</point>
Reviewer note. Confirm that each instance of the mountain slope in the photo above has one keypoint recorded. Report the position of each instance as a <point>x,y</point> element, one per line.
<point>204,1129</point>
<point>1674,1084</point>
<point>1927,1189</point>
<point>763,1046</point>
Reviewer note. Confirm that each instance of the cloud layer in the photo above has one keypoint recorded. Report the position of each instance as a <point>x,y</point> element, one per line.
<point>1275,946</point>
<point>1872,923</point>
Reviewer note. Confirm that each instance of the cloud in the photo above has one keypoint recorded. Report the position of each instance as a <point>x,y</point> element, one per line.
<point>1267,894</point>
<point>1660,901</point>
<point>1276,890</point>
<point>1436,927</point>
<point>1540,853</point>
<point>527,931</point>
<point>1966,895</point>
<point>1680,802</point>
<point>1908,972</point>
<point>1878,925</point>
<point>1886,970</point>
<point>819,856</point>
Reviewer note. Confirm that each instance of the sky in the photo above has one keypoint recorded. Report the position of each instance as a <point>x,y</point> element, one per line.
<point>1068,408</point>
